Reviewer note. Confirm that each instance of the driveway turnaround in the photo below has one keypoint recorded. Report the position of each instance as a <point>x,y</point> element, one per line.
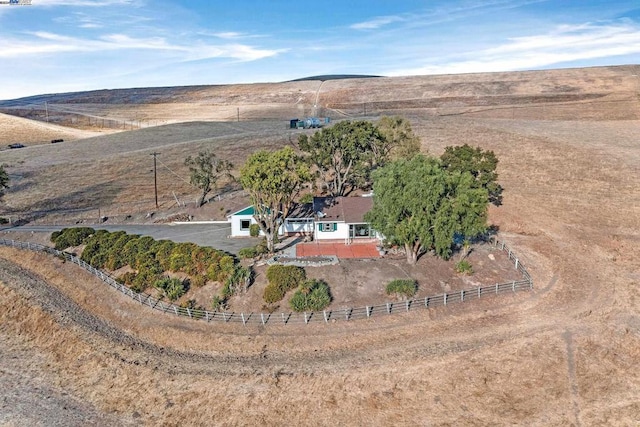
<point>215,235</point>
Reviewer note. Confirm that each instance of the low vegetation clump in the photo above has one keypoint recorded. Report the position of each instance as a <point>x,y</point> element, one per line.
<point>282,278</point>
<point>464,267</point>
<point>273,293</point>
<point>254,230</point>
<point>311,295</point>
<point>246,253</point>
<point>404,288</point>
<point>171,288</point>
<point>68,237</point>
<point>286,277</point>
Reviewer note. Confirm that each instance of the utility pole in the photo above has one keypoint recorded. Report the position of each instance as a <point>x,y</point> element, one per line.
<point>155,176</point>
<point>46,111</point>
<point>238,114</point>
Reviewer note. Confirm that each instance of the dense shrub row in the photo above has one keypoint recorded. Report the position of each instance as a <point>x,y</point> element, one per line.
<point>151,259</point>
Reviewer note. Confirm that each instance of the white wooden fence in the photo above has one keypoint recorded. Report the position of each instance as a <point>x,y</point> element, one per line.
<point>326,316</point>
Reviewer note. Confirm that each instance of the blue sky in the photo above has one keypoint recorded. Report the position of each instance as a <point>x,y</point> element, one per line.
<point>71,45</point>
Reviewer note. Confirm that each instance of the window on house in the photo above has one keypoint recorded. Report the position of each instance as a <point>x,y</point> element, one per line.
<point>327,226</point>
<point>245,224</point>
<point>360,230</point>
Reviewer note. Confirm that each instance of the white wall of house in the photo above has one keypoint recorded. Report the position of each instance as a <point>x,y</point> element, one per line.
<point>240,225</point>
<point>297,225</point>
<point>339,230</point>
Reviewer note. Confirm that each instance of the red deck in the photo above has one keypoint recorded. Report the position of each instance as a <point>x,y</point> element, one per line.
<point>355,250</point>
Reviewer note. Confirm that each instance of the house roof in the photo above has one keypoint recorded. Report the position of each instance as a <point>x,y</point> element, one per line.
<point>249,210</point>
<point>342,209</point>
<point>302,210</point>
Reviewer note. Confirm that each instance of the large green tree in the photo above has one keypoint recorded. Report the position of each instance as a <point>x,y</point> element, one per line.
<point>399,141</point>
<point>4,181</point>
<point>481,164</point>
<point>273,180</point>
<point>421,206</point>
<point>343,154</point>
<point>206,169</point>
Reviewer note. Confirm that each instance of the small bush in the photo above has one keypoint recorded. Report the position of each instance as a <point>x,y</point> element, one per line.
<point>3,220</point>
<point>262,248</point>
<point>273,293</point>
<point>312,295</point>
<point>246,253</point>
<point>254,230</point>
<point>162,250</point>
<point>218,303</point>
<point>71,237</point>
<point>464,267</point>
<point>402,287</point>
<point>286,277</point>
<point>198,281</point>
<point>127,278</point>
<point>170,287</point>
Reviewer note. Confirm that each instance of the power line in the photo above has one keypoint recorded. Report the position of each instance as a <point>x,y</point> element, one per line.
<point>178,176</point>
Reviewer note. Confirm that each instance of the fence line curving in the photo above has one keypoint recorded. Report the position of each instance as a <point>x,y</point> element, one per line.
<point>345,314</point>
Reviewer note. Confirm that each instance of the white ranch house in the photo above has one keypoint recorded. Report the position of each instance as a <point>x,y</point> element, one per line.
<point>299,222</point>
<point>326,219</point>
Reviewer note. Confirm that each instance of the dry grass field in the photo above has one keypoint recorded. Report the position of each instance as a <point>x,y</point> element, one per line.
<point>75,352</point>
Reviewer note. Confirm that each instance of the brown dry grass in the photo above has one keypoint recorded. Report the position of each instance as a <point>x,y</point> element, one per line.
<point>30,132</point>
<point>563,355</point>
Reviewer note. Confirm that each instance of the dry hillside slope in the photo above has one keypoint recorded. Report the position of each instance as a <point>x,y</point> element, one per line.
<point>564,354</point>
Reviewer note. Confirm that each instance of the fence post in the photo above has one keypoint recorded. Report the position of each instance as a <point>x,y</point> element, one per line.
<point>283,321</point>
<point>346,314</point>
<point>496,289</point>
<point>407,304</point>
<point>224,316</point>
<point>324,312</point>
<point>513,286</point>
<point>206,316</point>
<point>445,299</point>
<point>175,310</point>
<point>462,296</point>
<point>479,290</point>
<point>516,263</point>
<point>244,322</point>
<point>388,308</point>
<point>503,246</point>
<point>262,317</point>
<point>368,313</point>
<point>305,318</point>
<point>189,312</point>
<point>426,301</point>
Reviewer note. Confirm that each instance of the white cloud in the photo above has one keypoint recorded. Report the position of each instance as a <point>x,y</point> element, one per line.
<point>566,43</point>
<point>85,3</point>
<point>44,43</point>
<point>375,23</point>
<point>228,35</point>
